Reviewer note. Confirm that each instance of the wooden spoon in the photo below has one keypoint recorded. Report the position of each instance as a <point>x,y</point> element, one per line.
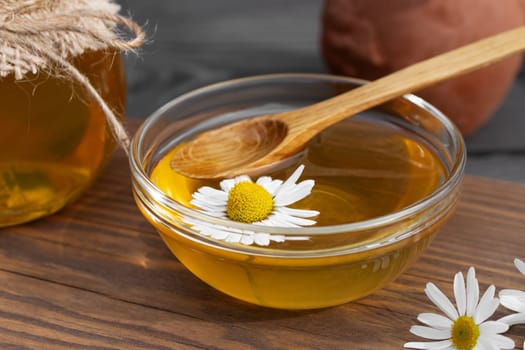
<point>244,147</point>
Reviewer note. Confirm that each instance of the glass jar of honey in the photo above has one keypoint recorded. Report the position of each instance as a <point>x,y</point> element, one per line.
<point>54,138</point>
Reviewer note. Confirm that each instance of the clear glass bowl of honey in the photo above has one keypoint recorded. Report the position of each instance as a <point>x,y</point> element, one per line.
<point>54,138</point>
<point>386,180</point>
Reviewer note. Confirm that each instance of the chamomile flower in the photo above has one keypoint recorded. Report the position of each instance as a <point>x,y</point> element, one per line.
<point>514,300</point>
<point>464,327</point>
<point>264,202</point>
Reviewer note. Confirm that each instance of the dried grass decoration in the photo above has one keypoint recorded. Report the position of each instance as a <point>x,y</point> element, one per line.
<point>42,35</point>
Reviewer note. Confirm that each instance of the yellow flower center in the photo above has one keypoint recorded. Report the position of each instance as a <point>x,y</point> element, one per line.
<point>249,202</point>
<point>464,333</point>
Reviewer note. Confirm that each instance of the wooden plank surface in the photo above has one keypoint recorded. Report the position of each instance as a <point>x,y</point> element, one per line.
<point>193,43</point>
<point>97,276</point>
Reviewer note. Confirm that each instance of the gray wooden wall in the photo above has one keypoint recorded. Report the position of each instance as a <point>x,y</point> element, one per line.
<point>197,42</point>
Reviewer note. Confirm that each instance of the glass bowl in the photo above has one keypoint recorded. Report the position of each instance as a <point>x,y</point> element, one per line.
<point>336,263</point>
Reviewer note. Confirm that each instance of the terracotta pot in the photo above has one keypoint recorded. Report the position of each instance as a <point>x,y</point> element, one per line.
<point>368,39</point>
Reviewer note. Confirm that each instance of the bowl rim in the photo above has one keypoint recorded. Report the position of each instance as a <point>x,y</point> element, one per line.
<point>454,178</point>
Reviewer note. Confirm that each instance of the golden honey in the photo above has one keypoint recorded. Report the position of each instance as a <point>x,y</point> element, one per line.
<point>364,168</point>
<point>53,136</point>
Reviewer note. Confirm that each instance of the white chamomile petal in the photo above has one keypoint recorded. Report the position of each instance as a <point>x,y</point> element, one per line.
<point>201,201</point>
<point>493,327</point>
<point>214,193</point>
<point>247,239</point>
<point>292,220</point>
<point>440,300</point>
<point>433,345</point>
<point>274,221</point>
<point>515,293</point>
<point>214,233</point>
<point>215,213</point>
<point>234,237</point>
<point>513,319</point>
<point>212,210</point>
<point>242,178</point>
<point>512,303</point>
<point>219,234</point>
<point>487,306</point>
<point>279,238</point>
<point>305,186</point>
<point>496,341</point>
<point>302,213</point>
<point>272,188</point>
<point>296,238</point>
<point>206,207</point>
<point>287,198</point>
<point>261,239</point>
<point>227,185</point>
<point>430,333</point>
<point>290,182</point>
<point>513,299</point>
<point>218,214</point>
<point>460,293</point>
<point>264,180</point>
<point>269,185</point>
<point>435,320</point>
<point>484,344</point>
<point>196,202</point>
<point>520,265</point>
<point>285,221</point>
<point>472,291</point>
<point>200,198</point>
<point>195,223</point>
<point>292,195</point>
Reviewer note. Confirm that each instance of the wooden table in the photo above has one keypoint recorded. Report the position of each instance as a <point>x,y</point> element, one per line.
<point>97,276</point>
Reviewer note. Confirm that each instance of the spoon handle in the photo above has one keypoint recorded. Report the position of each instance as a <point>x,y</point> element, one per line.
<point>414,77</point>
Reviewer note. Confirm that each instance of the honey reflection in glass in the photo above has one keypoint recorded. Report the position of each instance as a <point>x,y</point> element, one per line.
<point>364,168</point>
<point>54,137</point>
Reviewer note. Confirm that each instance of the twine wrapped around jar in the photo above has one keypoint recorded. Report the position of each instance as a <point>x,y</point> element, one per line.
<point>42,35</point>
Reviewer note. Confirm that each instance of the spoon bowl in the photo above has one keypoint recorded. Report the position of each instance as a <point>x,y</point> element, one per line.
<point>255,137</point>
